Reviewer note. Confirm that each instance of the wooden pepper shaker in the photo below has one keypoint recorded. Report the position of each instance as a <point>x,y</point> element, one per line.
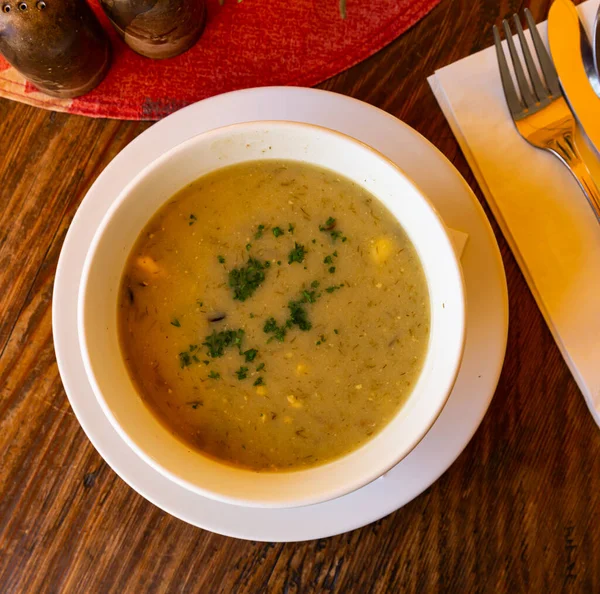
<point>157,28</point>
<point>58,45</point>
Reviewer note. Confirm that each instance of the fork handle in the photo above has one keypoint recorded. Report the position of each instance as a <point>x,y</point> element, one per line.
<point>566,150</point>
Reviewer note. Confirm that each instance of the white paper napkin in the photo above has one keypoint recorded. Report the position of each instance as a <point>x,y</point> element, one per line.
<point>545,218</point>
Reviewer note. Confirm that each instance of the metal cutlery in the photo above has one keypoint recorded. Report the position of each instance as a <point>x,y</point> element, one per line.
<point>538,109</point>
<point>596,42</point>
<point>589,59</point>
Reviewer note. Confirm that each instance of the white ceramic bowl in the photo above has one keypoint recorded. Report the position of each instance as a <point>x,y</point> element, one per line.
<point>114,239</point>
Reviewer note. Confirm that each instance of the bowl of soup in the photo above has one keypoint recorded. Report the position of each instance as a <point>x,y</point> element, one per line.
<point>272,314</point>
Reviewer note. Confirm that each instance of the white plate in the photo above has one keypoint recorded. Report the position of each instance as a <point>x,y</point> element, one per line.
<point>487,317</point>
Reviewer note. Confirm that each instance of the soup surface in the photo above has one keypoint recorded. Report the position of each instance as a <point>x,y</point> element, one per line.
<point>274,315</point>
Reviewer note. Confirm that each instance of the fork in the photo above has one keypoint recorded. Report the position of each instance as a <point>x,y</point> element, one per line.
<point>539,110</point>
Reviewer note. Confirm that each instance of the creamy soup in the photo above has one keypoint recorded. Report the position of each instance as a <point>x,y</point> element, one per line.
<point>274,315</point>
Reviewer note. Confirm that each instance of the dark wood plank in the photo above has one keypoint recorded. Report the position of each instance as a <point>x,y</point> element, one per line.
<point>518,512</point>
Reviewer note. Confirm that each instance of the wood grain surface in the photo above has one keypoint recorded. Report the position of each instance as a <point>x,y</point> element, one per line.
<point>519,511</point>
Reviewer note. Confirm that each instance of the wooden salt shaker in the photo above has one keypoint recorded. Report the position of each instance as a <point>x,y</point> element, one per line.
<point>58,45</point>
<point>157,28</point>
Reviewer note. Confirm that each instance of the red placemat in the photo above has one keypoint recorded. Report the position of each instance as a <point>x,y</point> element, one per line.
<point>247,44</point>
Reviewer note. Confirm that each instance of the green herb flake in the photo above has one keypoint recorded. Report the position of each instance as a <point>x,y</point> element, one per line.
<point>205,361</point>
<point>328,260</point>
<point>217,342</point>
<point>196,360</point>
<point>250,355</point>
<point>297,254</point>
<point>259,381</point>
<point>245,280</point>
<point>248,246</point>
<point>242,373</point>
<point>260,367</point>
<point>175,322</point>
<point>291,228</point>
<point>333,288</point>
<point>309,296</point>
<point>335,331</point>
<point>184,359</point>
<point>314,284</point>
<point>278,262</point>
<point>192,219</point>
<point>328,226</point>
<point>331,269</point>
<point>221,259</point>
<point>321,340</point>
<point>298,316</point>
<point>278,332</point>
<point>259,232</point>
<point>214,374</point>
<point>278,231</point>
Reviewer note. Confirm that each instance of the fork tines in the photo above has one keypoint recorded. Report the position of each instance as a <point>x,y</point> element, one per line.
<point>535,94</point>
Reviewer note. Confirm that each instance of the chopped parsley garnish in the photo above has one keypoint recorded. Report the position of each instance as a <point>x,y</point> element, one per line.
<point>337,234</point>
<point>192,219</point>
<point>214,374</point>
<point>175,322</point>
<point>297,254</point>
<point>245,280</point>
<point>278,262</point>
<point>314,241</point>
<point>185,360</point>
<point>321,340</point>
<point>335,331</point>
<point>328,226</point>
<point>248,246</point>
<point>309,296</point>
<point>250,355</point>
<point>277,231</point>
<point>221,259</point>
<point>260,367</point>
<point>314,284</point>
<point>278,332</point>
<point>298,316</point>
<point>333,288</point>
<point>259,232</point>
<point>259,381</point>
<point>291,228</point>
<point>328,260</point>
<point>331,269</point>
<point>196,360</point>
<point>200,303</point>
<point>242,373</point>
<point>217,342</point>
<point>267,264</point>
<point>192,348</point>
<point>206,362</point>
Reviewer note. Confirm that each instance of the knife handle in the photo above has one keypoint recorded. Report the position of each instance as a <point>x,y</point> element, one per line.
<point>566,150</point>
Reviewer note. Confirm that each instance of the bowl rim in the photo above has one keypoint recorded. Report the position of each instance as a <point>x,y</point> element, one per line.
<point>332,492</point>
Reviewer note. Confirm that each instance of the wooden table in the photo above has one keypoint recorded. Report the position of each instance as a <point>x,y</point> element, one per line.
<point>518,512</point>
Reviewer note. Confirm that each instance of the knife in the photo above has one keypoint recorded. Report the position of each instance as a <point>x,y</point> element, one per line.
<point>566,37</point>
<point>587,56</point>
<point>597,42</point>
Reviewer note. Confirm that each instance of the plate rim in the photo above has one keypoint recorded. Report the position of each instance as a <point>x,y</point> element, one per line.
<point>172,122</point>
